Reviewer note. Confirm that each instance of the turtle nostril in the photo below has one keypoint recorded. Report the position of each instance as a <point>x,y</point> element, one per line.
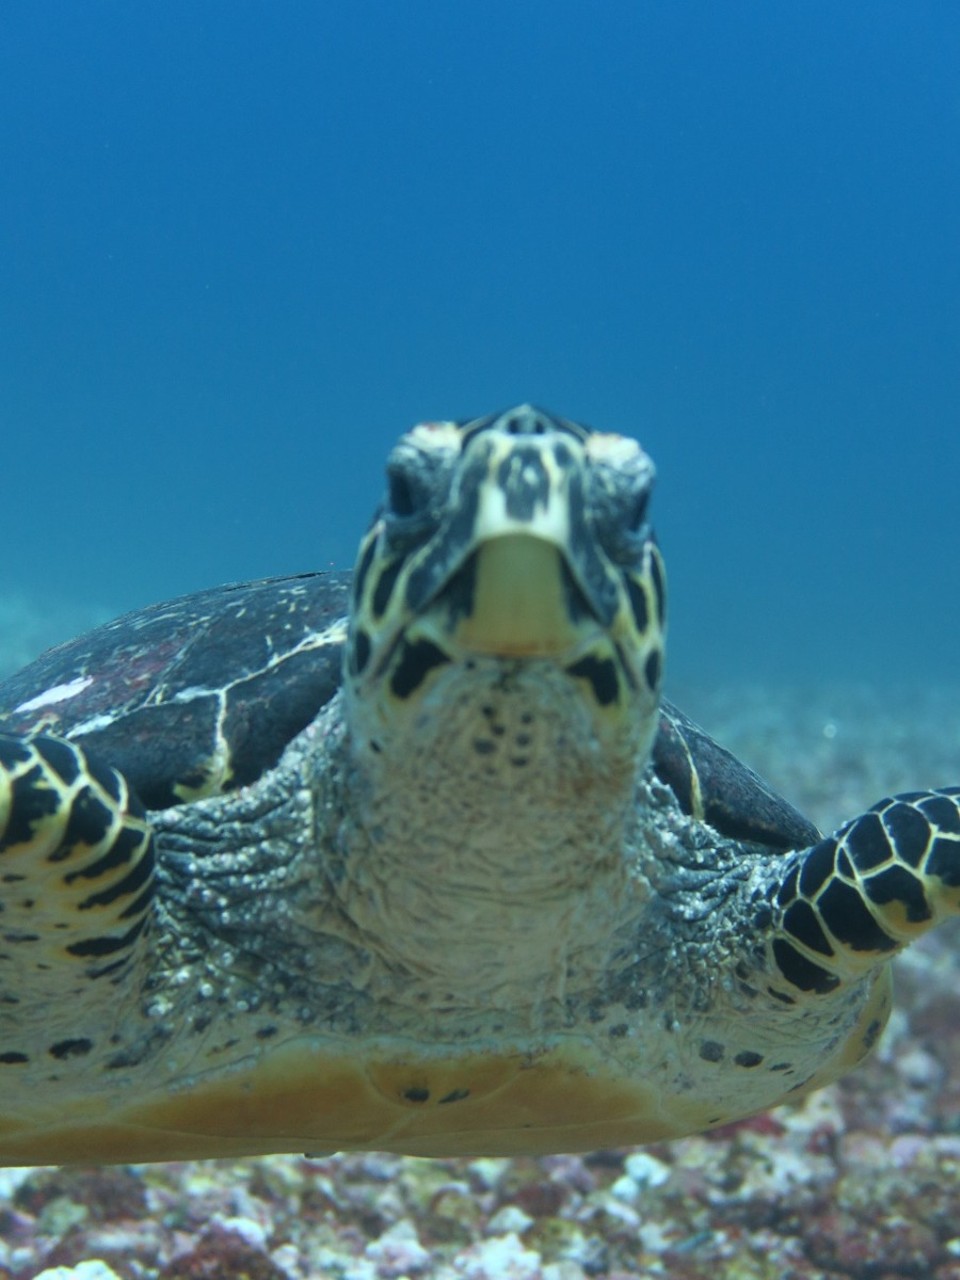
<point>525,427</point>
<point>528,422</point>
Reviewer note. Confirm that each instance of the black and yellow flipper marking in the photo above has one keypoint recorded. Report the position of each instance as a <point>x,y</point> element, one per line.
<point>76,864</point>
<point>857,897</point>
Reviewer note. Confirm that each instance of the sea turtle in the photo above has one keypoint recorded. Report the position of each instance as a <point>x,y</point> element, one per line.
<point>420,860</point>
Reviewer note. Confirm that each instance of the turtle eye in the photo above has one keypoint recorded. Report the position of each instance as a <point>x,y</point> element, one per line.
<point>635,511</point>
<point>620,515</point>
<point>418,482</point>
<point>410,502</point>
<point>400,496</point>
<point>408,491</point>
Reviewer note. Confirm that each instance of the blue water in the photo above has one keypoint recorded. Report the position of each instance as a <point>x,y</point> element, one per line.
<point>243,245</point>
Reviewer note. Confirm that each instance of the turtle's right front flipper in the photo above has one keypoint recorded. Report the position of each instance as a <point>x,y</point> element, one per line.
<point>76,872</point>
<point>852,900</point>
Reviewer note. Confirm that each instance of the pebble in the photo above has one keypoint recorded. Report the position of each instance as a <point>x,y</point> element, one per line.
<point>510,1218</point>
<point>646,1170</point>
<point>92,1270</point>
<point>505,1258</point>
<point>398,1252</point>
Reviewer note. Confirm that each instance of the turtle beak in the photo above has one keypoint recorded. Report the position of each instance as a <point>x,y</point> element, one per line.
<point>528,582</point>
<point>522,600</point>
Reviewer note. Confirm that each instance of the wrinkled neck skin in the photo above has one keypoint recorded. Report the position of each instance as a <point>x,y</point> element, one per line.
<point>483,854</point>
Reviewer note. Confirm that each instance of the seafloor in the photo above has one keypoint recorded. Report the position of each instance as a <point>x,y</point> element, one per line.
<point>862,1180</point>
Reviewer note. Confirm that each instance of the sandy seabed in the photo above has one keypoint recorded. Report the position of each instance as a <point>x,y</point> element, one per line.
<point>862,1180</point>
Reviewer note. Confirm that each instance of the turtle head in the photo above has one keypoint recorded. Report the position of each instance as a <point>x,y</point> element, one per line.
<point>510,551</point>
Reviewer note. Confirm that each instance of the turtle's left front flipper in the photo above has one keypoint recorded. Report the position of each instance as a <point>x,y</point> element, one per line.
<point>858,896</point>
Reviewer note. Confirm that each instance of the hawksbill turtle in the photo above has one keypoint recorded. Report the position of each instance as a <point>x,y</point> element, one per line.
<point>419,859</point>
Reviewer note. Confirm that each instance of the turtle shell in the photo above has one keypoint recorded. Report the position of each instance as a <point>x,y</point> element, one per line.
<point>712,785</point>
<point>197,695</point>
<point>201,694</point>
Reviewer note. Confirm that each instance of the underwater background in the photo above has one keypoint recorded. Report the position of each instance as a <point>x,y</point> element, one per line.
<point>244,245</point>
